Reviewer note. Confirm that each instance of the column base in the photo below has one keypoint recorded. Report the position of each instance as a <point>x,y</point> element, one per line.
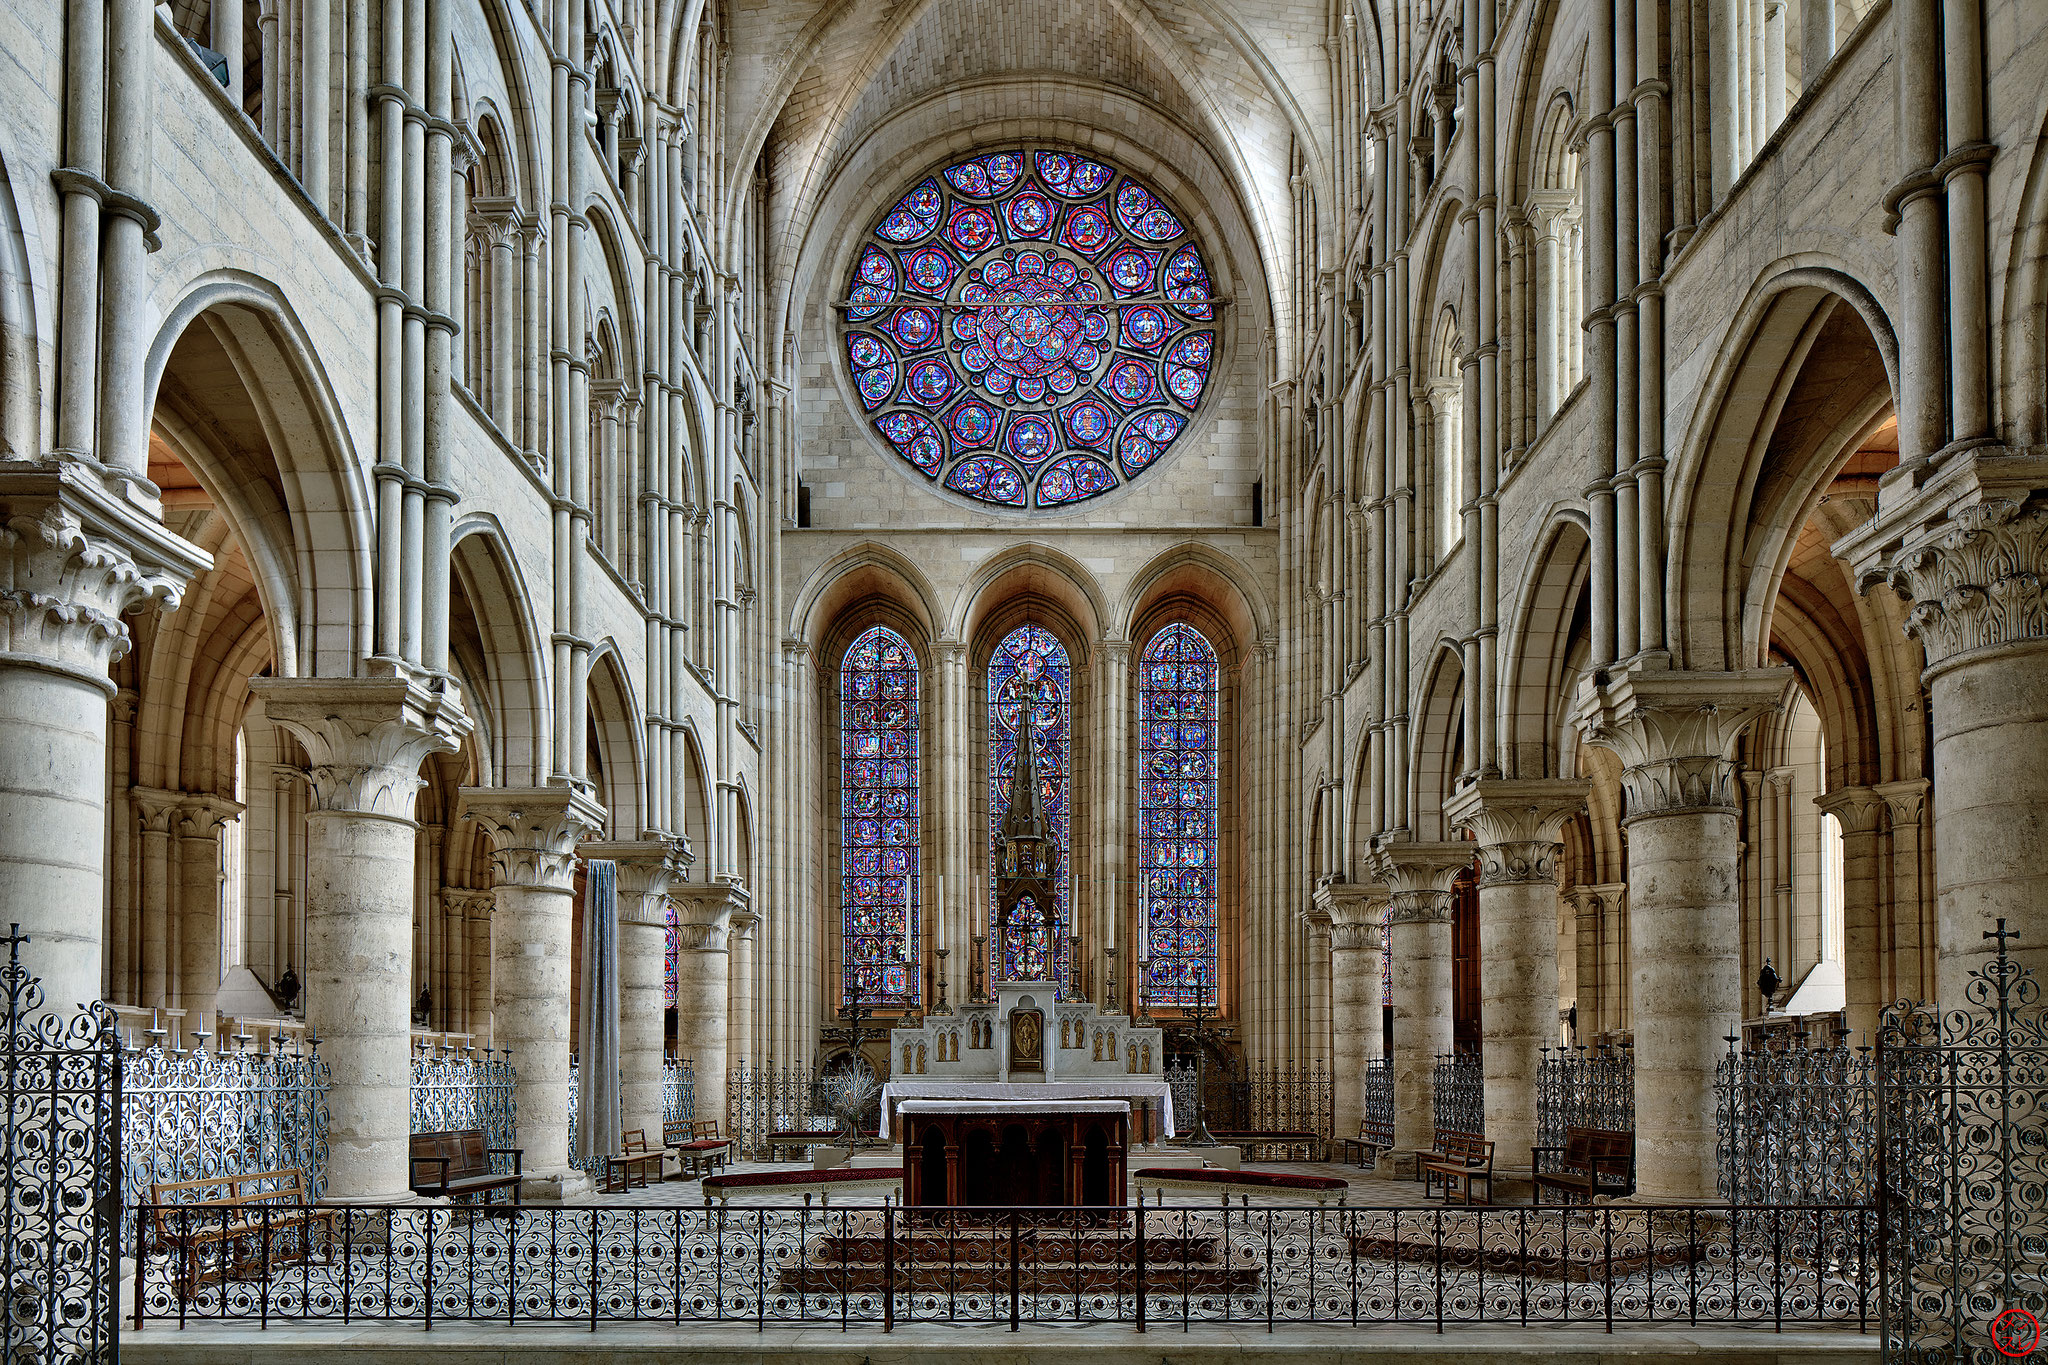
<point>564,1185</point>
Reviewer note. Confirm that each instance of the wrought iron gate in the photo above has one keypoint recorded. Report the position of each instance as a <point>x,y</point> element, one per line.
<point>61,1094</point>
<point>1963,1165</point>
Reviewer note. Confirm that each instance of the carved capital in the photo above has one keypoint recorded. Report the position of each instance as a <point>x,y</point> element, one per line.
<point>468,904</point>
<point>1419,877</point>
<point>1353,911</point>
<point>155,808</point>
<point>201,817</point>
<point>1590,900</point>
<point>1675,733</point>
<point>645,869</point>
<point>1859,810</point>
<point>704,916</point>
<point>365,738</point>
<point>76,551</point>
<point>534,831</point>
<point>1517,823</point>
<point>1906,800</point>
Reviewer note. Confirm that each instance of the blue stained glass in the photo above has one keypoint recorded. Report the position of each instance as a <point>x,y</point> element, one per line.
<point>880,851</point>
<point>1027,655</point>
<point>1030,282</point>
<point>1177,813</point>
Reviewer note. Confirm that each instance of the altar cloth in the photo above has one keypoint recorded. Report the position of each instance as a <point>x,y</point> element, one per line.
<point>1141,1091</point>
<point>1012,1107</point>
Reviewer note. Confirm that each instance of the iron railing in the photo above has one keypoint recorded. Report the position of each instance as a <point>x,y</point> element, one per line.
<point>60,1107</point>
<point>202,1113</point>
<point>1265,1097</point>
<point>466,1088</point>
<point>772,1098</point>
<point>1579,1087</point>
<point>1459,1105</point>
<point>678,1090</point>
<point>796,1266</point>
<point>1797,1124</point>
<point>1378,1099</point>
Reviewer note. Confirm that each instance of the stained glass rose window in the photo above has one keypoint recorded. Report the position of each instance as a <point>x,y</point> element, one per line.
<point>1030,329</point>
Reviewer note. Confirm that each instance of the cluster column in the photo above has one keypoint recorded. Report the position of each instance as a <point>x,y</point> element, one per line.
<point>1354,912</point>
<point>76,556</point>
<point>1860,812</point>
<point>1517,823</point>
<point>200,820</point>
<point>1418,878</point>
<point>365,739</point>
<point>1676,734</point>
<point>646,868</point>
<point>534,832</point>
<point>704,916</point>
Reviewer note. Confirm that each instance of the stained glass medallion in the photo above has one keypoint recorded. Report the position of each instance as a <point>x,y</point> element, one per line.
<point>880,825</point>
<point>1177,813</point>
<point>1026,656</point>
<point>1030,329</point>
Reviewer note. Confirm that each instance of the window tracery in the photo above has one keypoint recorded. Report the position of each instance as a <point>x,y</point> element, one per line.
<point>1177,813</point>
<point>1030,329</point>
<point>1031,662</point>
<point>880,819</point>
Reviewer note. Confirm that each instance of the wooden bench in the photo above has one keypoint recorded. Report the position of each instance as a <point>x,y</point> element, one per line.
<point>800,1140</point>
<point>842,1180</point>
<point>248,1222</point>
<point>1364,1150</point>
<point>1464,1159</point>
<point>697,1145</point>
<point>1224,1184</point>
<point>457,1165</point>
<point>629,1167</point>
<point>1593,1161</point>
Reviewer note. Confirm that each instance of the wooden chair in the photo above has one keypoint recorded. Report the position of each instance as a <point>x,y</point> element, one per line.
<point>458,1164</point>
<point>697,1145</point>
<point>1464,1159</point>
<point>243,1222</point>
<point>629,1167</point>
<point>1593,1161</point>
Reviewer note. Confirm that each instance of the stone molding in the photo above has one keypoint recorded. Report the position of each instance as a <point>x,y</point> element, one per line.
<point>1517,822</point>
<point>76,552</point>
<point>645,870</point>
<point>1418,878</point>
<point>1858,809</point>
<point>1675,732</point>
<point>1967,552</point>
<point>366,737</point>
<point>534,831</point>
<point>704,915</point>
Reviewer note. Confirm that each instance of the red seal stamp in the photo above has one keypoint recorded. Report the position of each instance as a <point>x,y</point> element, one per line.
<point>2015,1333</point>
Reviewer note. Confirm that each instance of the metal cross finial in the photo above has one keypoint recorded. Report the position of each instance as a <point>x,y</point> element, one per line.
<point>2001,933</point>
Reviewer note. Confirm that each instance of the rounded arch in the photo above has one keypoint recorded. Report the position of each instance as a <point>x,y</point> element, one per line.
<point>1811,375</point>
<point>1035,571</point>
<point>293,484</point>
<point>868,569</point>
<point>494,646</point>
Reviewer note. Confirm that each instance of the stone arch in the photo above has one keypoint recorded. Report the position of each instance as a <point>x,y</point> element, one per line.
<point>2022,339</point>
<point>20,375</point>
<point>1756,462</point>
<point>283,469</point>
<point>1212,582</point>
<point>617,732</point>
<point>697,814</point>
<point>869,570</point>
<point>494,645</point>
<point>1438,754</point>
<point>1536,680</point>
<point>1040,572</point>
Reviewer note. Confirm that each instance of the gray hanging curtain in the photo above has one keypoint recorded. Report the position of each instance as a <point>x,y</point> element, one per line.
<point>597,1092</point>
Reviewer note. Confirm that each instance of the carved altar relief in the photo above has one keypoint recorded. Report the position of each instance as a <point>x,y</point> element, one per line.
<point>1027,1040</point>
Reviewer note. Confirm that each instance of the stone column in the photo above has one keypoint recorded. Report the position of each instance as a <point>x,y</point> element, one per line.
<point>739,1003</point>
<point>1354,910</point>
<point>1316,920</point>
<point>1518,824</point>
<point>199,823</point>
<point>473,908</point>
<point>75,554</point>
<point>534,832</point>
<point>1910,911</point>
<point>1675,734</point>
<point>1860,811</point>
<point>1418,878</point>
<point>1970,553</point>
<point>646,868</point>
<point>365,739</point>
<point>703,920</point>
<point>157,950</point>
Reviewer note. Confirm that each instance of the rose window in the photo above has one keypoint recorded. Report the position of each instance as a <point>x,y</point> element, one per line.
<point>1030,330</point>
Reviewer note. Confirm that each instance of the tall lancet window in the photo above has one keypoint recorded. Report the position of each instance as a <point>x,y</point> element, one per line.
<point>1031,662</point>
<point>1177,755</point>
<point>878,785</point>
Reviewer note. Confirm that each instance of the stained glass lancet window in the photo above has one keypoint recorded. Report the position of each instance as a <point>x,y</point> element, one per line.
<point>1030,329</point>
<point>879,847</point>
<point>1177,786</point>
<point>1031,662</point>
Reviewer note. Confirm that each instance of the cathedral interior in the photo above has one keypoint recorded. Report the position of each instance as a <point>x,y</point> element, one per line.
<point>1357,581</point>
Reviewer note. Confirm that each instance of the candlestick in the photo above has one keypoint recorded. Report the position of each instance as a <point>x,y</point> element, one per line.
<point>940,953</point>
<point>1109,987</point>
